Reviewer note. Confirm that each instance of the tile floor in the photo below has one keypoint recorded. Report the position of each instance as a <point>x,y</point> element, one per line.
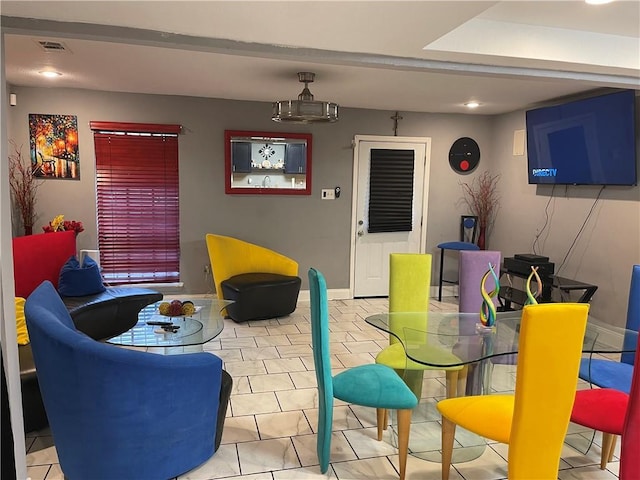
<point>270,430</point>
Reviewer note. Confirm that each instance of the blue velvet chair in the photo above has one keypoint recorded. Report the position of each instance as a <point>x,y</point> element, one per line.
<point>370,385</point>
<point>608,373</point>
<point>116,413</point>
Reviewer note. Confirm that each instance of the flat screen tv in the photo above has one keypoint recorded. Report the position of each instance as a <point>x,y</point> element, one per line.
<point>585,142</point>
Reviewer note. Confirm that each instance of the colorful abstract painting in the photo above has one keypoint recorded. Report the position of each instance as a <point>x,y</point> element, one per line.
<point>53,140</point>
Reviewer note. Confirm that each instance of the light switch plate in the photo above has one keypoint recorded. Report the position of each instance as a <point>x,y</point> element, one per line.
<point>328,194</point>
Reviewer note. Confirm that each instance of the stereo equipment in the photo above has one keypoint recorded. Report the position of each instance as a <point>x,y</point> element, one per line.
<point>523,267</point>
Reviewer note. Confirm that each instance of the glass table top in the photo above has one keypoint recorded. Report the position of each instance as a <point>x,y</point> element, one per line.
<point>204,325</point>
<point>450,332</point>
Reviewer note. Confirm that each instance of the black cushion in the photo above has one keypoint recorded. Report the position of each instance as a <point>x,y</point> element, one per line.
<point>109,313</point>
<point>225,395</point>
<point>258,296</point>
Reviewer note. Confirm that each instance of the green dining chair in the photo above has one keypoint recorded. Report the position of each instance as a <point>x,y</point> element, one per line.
<point>369,385</point>
<point>409,285</point>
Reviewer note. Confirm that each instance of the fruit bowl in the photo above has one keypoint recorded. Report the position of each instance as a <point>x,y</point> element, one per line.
<point>176,308</point>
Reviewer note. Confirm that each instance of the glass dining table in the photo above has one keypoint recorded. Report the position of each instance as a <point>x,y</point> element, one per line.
<point>450,339</point>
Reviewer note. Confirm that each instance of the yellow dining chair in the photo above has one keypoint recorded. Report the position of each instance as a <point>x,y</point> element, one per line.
<point>533,421</point>
<point>409,285</point>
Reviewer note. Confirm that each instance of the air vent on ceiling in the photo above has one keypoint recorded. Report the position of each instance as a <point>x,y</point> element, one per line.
<point>51,46</point>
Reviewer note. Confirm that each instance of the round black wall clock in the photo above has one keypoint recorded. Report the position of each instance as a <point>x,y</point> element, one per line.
<point>464,155</point>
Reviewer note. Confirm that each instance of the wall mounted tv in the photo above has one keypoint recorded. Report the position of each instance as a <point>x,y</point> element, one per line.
<point>585,142</point>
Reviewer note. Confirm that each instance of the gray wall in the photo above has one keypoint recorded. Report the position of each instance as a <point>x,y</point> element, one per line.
<point>316,232</point>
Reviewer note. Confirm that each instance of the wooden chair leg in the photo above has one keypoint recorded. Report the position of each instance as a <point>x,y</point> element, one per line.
<point>608,445</point>
<point>448,434</point>
<point>381,414</point>
<point>612,448</point>
<point>463,374</point>
<point>452,383</point>
<point>404,427</point>
<point>386,419</point>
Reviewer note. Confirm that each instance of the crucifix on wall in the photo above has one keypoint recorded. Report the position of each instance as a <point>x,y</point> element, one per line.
<point>395,118</point>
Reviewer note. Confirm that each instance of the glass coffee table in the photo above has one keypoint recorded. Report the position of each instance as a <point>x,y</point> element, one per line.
<point>203,325</point>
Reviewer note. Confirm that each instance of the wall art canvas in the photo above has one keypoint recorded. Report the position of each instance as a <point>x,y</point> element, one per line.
<point>53,140</point>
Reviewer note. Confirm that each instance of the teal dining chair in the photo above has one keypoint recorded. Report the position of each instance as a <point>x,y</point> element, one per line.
<point>370,385</point>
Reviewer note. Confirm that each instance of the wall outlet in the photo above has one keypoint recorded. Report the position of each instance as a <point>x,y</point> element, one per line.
<point>328,194</point>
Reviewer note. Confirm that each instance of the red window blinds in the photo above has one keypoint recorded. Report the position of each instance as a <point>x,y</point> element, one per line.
<point>138,202</point>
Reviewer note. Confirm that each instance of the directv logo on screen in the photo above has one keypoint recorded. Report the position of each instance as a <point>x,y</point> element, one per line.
<point>544,172</point>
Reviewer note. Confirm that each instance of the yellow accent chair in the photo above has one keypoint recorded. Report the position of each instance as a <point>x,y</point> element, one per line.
<point>262,283</point>
<point>533,421</point>
<point>409,285</point>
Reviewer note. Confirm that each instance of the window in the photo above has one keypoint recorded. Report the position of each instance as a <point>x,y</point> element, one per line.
<point>137,202</point>
<point>391,190</point>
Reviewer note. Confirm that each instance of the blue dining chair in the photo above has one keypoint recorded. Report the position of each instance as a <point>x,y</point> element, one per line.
<point>370,385</point>
<point>608,373</point>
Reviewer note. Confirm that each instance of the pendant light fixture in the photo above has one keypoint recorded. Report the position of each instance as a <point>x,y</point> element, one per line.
<point>305,109</point>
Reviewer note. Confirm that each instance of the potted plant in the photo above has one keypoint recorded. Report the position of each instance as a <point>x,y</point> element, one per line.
<point>482,198</point>
<point>24,185</point>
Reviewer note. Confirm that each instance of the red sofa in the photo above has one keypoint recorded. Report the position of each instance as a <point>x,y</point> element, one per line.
<point>40,257</point>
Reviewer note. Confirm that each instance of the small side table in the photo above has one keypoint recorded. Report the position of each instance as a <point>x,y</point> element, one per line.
<point>567,284</point>
<point>509,294</point>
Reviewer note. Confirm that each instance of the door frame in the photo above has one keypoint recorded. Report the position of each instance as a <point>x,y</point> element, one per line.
<point>354,197</point>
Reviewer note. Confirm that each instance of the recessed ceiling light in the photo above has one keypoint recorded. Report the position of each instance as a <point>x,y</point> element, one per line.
<point>50,74</point>
<point>598,2</point>
<point>472,104</point>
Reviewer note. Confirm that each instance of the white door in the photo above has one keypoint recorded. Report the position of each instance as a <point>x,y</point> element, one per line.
<point>370,251</point>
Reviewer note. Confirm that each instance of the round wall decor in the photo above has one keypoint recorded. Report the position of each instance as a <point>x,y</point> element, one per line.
<point>464,155</point>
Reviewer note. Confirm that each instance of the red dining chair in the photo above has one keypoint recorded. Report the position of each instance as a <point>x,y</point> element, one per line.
<point>613,413</point>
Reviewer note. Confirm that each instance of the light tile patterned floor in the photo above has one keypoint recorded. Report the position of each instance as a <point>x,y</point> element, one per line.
<point>270,430</point>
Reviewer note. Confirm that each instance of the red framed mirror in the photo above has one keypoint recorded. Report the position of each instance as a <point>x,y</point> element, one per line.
<point>267,163</point>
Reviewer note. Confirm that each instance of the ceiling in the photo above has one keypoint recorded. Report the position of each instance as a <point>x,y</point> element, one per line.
<point>427,56</point>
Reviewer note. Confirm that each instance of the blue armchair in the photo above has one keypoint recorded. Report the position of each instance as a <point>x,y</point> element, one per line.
<point>119,413</point>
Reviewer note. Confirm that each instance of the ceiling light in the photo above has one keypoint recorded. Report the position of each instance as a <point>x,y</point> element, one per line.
<point>472,104</point>
<point>305,109</point>
<point>50,74</point>
<point>598,2</point>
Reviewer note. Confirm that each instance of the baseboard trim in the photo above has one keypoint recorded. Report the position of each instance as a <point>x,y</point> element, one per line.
<point>344,293</point>
<point>333,294</point>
